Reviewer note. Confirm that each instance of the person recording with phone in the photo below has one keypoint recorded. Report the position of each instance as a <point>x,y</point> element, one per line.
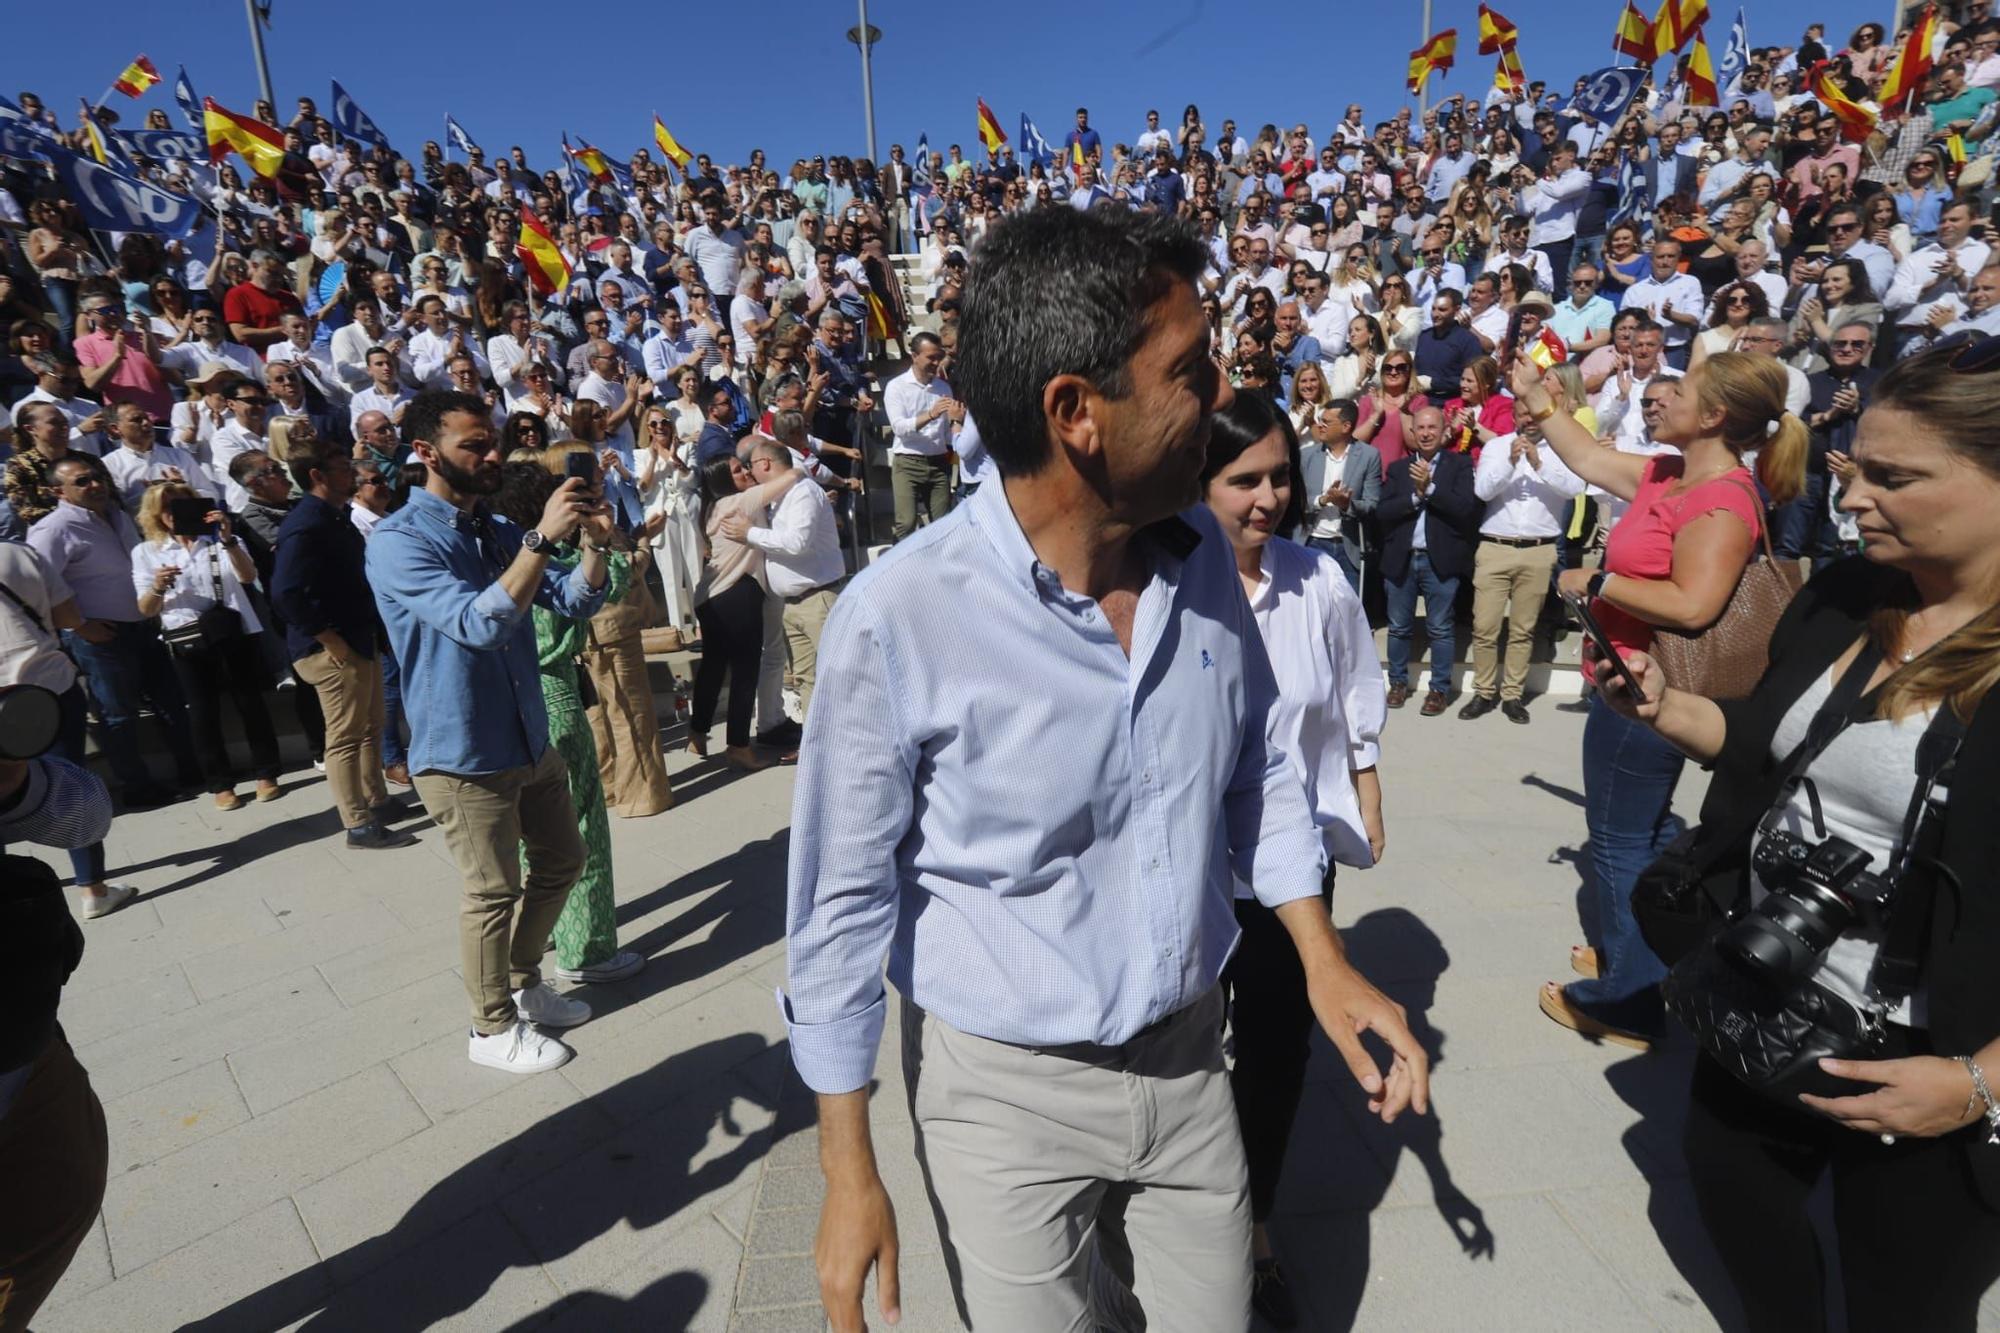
<point>454,583</point>
<point>1856,885</point>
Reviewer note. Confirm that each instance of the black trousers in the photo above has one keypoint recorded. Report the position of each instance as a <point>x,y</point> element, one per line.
<point>1272,1022</point>
<point>231,668</point>
<point>732,645</point>
<point>1918,1246</point>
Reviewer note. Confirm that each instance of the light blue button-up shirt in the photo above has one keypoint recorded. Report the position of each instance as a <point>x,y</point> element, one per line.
<point>1038,831</point>
<point>466,649</point>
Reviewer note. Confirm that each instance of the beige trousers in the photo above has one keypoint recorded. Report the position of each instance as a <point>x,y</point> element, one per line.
<point>351,698</point>
<point>627,730</point>
<point>1509,585</point>
<point>1036,1159</point>
<point>804,619</point>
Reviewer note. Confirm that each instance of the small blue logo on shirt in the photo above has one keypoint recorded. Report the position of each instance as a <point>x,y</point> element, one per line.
<point>1206,660</point>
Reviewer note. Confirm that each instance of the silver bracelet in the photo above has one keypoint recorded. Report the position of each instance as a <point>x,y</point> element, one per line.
<point>1985,1094</point>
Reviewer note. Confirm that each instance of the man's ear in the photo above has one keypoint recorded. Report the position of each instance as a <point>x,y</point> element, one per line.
<point>1070,404</point>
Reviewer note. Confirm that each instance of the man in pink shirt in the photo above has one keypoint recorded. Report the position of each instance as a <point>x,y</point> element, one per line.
<point>1828,150</point>
<point>117,361</point>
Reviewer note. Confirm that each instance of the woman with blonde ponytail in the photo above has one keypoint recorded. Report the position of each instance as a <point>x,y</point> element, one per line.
<point>1671,562</point>
<point>1914,1149</point>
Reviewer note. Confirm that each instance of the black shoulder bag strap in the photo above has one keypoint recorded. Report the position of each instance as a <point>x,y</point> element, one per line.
<point>1899,963</point>
<point>34,617</point>
<point>1834,716</point>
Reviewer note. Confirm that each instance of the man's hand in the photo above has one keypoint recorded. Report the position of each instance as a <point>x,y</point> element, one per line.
<point>1420,475</point>
<point>857,1223</point>
<point>337,650</point>
<point>863,403</point>
<point>566,510</point>
<point>734,526</point>
<point>1338,496</point>
<point>1346,1006</point>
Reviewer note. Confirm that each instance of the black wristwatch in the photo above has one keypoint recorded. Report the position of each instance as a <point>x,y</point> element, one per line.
<point>534,540</point>
<point>1596,585</point>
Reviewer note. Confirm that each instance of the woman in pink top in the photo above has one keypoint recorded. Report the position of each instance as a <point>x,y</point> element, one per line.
<point>1480,412</point>
<point>1672,562</point>
<point>1385,412</point>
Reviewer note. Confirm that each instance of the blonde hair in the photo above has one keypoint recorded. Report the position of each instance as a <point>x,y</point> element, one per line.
<point>1749,391</point>
<point>1325,392</point>
<point>553,458</point>
<point>1567,375</point>
<point>1959,408</point>
<point>279,436</point>
<point>153,508</point>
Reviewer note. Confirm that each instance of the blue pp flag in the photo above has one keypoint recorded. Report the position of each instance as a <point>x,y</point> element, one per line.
<point>351,122</point>
<point>17,143</point>
<point>1034,148</point>
<point>1608,92</point>
<point>576,181</point>
<point>14,118</point>
<point>455,134</point>
<point>189,104</point>
<point>113,201</point>
<point>920,174</point>
<point>164,145</point>
<point>1735,56</point>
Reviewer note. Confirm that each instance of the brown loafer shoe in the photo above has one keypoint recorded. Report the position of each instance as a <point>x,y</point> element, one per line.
<point>1435,702</point>
<point>1398,695</point>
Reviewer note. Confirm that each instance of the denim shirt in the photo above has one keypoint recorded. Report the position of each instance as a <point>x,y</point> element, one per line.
<point>462,643</point>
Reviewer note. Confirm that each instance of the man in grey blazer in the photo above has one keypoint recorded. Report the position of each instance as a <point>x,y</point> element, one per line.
<point>1342,477</point>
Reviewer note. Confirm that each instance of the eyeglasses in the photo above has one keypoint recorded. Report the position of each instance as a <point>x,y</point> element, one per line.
<point>1396,368</point>
<point>252,400</point>
<point>1581,284</point>
<point>260,473</point>
<point>371,481</point>
<point>1848,344</point>
<point>1843,226</point>
<point>1431,254</point>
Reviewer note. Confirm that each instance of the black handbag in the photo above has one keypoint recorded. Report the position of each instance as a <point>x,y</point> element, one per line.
<point>1770,1037</point>
<point>210,628</point>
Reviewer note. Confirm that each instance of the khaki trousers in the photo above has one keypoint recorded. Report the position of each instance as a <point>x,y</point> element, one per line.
<point>1036,1159</point>
<point>1509,584</point>
<point>351,698</point>
<point>804,620</point>
<point>488,821</point>
<point>627,730</point>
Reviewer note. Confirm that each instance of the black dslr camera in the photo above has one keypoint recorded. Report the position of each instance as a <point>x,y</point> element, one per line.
<point>1816,890</point>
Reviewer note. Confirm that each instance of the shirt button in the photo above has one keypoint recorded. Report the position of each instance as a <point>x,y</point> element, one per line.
<point>1153,864</point>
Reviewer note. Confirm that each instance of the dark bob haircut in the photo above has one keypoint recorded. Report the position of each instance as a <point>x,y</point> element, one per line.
<point>1243,423</point>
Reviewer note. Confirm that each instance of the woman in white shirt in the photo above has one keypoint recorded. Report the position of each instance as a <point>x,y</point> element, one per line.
<point>1328,717</point>
<point>205,410</point>
<point>1354,372</point>
<point>199,579</point>
<point>671,494</point>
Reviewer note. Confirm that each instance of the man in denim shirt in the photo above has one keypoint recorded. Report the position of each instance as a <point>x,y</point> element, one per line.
<point>454,583</point>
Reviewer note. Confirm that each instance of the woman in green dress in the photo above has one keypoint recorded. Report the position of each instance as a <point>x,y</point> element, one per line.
<point>586,934</point>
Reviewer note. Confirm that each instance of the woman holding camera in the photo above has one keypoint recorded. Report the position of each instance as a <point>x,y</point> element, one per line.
<point>194,574</point>
<point>1916,1176</point>
<point>1672,562</point>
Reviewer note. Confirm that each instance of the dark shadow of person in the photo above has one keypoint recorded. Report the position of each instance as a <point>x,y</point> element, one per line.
<point>532,1200</point>
<point>1341,1159</point>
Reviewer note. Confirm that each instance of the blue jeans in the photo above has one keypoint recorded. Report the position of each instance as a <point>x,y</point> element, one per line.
<point>1629,775</point>
<point>86,863</point>
<point>1440,601</point>
<point>1337,548</point>
<point>394,750</point>
<point>1804,527</point>
<point>132,667</point>
<point>1589,250</point>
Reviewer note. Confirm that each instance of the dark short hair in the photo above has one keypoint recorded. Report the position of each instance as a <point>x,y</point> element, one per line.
<point>1245,421</point>
<point>427,411</point>
<point>923,337</point>
<point>1061,292</point>
<point>317,455</point>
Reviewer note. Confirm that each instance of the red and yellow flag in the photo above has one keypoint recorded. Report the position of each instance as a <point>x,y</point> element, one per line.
<point>1677,24</point>
<point>1496,34</point>
<point>593,164</point>
<point>990,132</point>
<point>881,328</point>
<point>548,271</point>
<point>1913,62</point>
<point>1076,159</point>
<point>669,146</point>
<point>137,78</point>
<point>1507,74</point>
<point>259,145</point>
<point>1857,122</point>
<point>1634,36</point>
<point>1433,57</point>
<point>1700,86</point>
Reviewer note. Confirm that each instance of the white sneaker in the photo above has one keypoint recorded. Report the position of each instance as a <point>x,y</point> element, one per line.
<point>541,1003</point>
<point>115,897</point>
<point>521,1049</point>
<point>615,968</point>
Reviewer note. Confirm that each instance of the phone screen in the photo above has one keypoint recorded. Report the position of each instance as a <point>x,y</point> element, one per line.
<point>582,465</point>
<point>1595,633</point>
<point>190,516</point>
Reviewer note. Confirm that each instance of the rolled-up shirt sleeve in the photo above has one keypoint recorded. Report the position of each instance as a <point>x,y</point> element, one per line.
<point>850,811</point>
<point>567,592</point>
<point>1273,844</point>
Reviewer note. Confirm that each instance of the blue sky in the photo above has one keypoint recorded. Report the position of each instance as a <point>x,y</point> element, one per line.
<point>502,66</point>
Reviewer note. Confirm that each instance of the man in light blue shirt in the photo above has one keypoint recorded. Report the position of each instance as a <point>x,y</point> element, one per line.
<point>454,583</point>
<point>1036,757</point>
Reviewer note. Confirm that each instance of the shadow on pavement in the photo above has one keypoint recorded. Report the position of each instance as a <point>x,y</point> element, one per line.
<point>532,1200</point>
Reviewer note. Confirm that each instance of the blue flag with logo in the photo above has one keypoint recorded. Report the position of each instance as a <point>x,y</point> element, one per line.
<point>577,182</point>
<point>19,144</point>
<point>456,137</point>
<point>1035,150</point>
<point>1735,56</point>
<point>1607,93</point>
<point>113,201</point>
<point>189,104</point>
<point>350,121</point>
<point>920,172</point>
<point>164,145</point>
<point>14,118</point>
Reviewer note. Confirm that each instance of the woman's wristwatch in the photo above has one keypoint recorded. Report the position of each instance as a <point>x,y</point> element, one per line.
<point>1596,585</point>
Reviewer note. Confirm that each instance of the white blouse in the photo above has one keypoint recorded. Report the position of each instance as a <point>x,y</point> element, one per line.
<point>1332,702</point>
<point>203,583</point>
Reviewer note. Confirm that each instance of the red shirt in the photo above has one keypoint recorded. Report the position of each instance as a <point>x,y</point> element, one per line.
<point>1641,544</point>
<point>252,307</point>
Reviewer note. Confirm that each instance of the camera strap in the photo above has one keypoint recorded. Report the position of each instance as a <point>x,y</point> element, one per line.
<point>1899,963</point>
<point>1834,716</point>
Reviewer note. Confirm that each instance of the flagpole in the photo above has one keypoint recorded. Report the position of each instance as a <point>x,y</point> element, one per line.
<point>1424,88</point>
<point>257,49</point>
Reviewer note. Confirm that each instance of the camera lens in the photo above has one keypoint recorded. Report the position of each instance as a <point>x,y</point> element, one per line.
<point>1787,932</point>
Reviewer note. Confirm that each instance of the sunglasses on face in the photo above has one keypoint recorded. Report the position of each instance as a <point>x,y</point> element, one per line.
<point>1843,226</point>
<point>1849,344</point>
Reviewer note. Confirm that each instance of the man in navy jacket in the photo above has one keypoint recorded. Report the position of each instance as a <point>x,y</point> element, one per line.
<point>1429,521</point>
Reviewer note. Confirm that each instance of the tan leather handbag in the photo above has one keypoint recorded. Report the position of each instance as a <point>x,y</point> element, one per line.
<point>1727,659</point>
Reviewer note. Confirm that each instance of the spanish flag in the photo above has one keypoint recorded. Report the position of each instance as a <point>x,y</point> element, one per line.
<point>1496,34</point>
<point>260,145</point>
<point>548,271</point>
<point>593,164</point>
<point>1857,122</point>
<point>1434,56</point>
<point>669,146</point>
<point>1913,62</point>
<point>1076,159</point>
<point>1677,24</point>
<point>1507,75</point>
<point>137,78</point>
<point>1700,88</point>
<point>990,132</point>
<point>1634,36</point>
<point>881,328</point>
<point>94,135</point>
